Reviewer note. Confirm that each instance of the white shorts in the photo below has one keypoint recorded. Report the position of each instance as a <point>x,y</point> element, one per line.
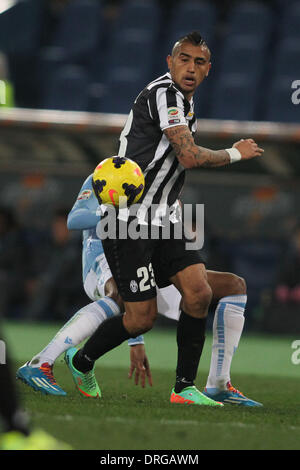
<point>168,298</point>
<point>168,302</point>
<point>94,284</point>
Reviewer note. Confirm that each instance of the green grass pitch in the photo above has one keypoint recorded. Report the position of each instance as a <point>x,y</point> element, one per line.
<point>131,418</point>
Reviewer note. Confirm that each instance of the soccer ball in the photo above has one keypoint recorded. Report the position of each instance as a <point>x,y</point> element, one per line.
<point>118,177</point>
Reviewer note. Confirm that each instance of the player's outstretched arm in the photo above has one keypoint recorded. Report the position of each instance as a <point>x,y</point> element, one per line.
<point>84,213</point>
<point>191,155</point>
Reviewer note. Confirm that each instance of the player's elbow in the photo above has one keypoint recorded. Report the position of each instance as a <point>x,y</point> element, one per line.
<point>70,222</point>
<point>189,157</point>
<point>187,161</point>
<point>188,164</point>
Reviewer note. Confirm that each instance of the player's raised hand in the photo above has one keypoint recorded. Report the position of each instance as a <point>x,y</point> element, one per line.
<point>248,148</point>
<point>140,364</point>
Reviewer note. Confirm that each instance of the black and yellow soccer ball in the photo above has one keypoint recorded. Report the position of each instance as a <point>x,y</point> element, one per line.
<point>118,181</point>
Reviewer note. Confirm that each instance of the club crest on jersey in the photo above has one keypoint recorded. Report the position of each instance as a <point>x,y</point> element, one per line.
<point>190,115</point>
<point>84,195</point>
<point>133,286</point>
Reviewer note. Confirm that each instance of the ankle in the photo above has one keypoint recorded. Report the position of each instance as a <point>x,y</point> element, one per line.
<point>82,362</point>
<point>181,383</point>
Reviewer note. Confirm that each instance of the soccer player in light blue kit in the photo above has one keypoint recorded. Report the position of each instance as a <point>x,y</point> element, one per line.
<point>106,302</point>
<point>101,289</point>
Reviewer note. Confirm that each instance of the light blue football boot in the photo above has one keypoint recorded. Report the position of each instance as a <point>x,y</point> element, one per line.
<point>40,379</point>
<point>230,395</point>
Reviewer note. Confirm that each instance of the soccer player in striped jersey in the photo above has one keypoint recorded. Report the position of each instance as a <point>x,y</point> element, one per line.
<point>158,135</point>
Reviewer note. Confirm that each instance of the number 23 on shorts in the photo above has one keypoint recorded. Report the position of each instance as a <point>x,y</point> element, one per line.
<point>146,276</point>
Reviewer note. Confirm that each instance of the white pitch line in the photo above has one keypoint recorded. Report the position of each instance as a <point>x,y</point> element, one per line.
<point>164,422</point>
<point>175,422</point>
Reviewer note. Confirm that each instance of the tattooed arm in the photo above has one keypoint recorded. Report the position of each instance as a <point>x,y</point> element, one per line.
<point>191,155</point>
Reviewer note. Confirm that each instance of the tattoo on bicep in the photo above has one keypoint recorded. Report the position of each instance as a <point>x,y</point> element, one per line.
<point>182,142</point>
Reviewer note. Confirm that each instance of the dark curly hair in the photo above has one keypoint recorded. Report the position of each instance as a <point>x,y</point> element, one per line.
<point>194,38</point>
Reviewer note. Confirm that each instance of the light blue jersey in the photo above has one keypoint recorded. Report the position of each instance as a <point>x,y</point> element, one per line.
<point>84,216</point>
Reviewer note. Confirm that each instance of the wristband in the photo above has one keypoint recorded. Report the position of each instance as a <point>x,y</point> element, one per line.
<point>235,154</point>
<point>135,341</point>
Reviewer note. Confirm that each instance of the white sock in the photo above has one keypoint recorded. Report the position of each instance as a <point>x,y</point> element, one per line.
<point>79,327</point>
<point>227,329</point>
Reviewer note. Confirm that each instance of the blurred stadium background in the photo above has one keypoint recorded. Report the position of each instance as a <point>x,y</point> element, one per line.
<point>69,71</point>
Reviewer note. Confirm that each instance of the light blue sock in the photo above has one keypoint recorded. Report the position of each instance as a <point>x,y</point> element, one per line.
<point>227,329</point>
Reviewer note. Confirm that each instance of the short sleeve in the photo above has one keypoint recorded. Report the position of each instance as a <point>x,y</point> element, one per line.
<point>170,108</point>
<point>83,214</point>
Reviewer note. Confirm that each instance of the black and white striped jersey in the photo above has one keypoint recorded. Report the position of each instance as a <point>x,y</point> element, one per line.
<point>159,106</point>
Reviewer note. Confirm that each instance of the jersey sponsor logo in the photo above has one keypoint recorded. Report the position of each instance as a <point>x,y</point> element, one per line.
<point>174,115</point>
<point>84,195</point>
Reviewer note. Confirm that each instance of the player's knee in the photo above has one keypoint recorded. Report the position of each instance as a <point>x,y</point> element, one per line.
<point>140,327</point>
<point>236,285</point>
<point>118,299</point>
<point>111,291</point>
<point>145,324</point>
<point>140,322</point>
<point>196,302</point>
<point>205,296</point>
<point>241,285</point>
